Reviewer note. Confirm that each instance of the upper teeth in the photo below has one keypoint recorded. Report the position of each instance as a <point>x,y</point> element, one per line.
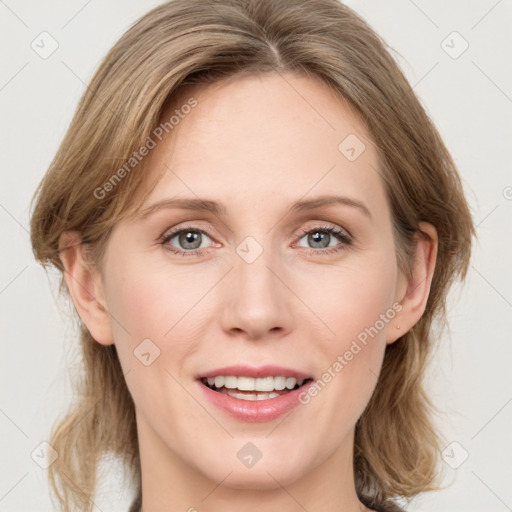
<point>258,384</point>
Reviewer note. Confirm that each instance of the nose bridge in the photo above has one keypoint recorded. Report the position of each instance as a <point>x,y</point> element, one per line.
<point>253,264</point>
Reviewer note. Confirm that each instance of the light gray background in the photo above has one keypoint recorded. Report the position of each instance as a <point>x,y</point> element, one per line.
<point>468,97</point>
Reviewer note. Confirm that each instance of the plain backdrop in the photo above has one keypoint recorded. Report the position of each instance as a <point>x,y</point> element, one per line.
<point>456,54</point>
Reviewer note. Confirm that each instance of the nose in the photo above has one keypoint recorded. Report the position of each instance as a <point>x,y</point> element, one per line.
<point>259,303</point>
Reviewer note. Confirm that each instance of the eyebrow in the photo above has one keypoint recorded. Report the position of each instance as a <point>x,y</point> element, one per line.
<point>207,205</point>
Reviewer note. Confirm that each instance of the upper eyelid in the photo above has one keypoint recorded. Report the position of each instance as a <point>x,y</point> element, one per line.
<point>324,226</point>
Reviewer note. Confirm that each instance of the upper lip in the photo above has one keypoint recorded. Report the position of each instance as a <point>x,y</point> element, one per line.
<point>242,370</point>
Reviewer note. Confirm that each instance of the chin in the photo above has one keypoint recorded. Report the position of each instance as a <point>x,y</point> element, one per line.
<point>264,475</point>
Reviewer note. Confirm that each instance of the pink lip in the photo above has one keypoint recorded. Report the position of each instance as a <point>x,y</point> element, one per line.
<point>253,411</point>
<point>241,370</point>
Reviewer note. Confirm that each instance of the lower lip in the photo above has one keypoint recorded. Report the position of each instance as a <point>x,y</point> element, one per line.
<point>254,410</point>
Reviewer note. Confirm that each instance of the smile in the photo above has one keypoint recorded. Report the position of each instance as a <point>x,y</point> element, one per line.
<point>248,388</point>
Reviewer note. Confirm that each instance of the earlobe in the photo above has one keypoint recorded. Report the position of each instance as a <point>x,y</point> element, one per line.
<point>417,286</point>
<point>85,287</point>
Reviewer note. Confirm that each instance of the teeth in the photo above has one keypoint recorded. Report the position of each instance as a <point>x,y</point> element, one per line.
<point>261,384</point>
<point>279,383</point>
<point>230,382</point>
<point>247,384</point>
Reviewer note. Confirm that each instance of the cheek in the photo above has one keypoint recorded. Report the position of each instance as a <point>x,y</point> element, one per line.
<point>150,300</point>
<point>160,303</point>
<point>357,307</point>
<point>149,307</point>
<point>352,299</point>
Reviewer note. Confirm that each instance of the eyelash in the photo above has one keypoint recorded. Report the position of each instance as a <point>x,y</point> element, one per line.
<point>338,233</point>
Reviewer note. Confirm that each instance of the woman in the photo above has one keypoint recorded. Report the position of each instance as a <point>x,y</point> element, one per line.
<point>257,224</point>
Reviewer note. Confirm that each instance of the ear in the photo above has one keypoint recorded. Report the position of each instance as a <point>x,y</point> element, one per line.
<point>85,287</point>
<point>413,291</point>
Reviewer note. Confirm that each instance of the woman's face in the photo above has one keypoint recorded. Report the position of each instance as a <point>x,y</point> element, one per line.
<point>257,282</point>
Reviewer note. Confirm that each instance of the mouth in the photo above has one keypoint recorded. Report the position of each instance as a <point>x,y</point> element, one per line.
<point>251,394</point>
<point>254,389</point>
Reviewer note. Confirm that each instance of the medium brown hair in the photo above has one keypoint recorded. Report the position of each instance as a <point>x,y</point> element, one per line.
<point>186,42</point>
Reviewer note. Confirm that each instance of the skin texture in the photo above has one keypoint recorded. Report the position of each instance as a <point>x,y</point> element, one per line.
<point>256,144</point>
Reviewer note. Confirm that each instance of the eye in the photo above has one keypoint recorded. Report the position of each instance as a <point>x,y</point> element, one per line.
<point>321,236</point>
<point>190,238</point>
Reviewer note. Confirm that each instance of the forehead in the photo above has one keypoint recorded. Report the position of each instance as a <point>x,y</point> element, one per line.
<point>256,138</point>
